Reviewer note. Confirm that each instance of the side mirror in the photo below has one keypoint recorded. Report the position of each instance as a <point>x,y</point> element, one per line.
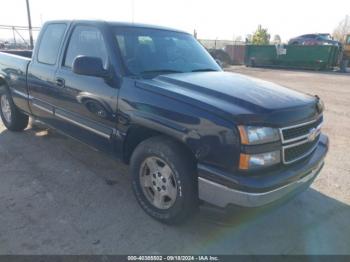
<point>89,66</point>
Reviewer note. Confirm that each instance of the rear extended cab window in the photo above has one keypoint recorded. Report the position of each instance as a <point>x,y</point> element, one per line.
<point>50,43</point>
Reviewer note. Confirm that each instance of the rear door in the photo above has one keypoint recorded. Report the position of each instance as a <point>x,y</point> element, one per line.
<point>42,70</point>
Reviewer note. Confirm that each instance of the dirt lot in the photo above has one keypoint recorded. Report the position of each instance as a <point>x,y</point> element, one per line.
<point>60,197</point>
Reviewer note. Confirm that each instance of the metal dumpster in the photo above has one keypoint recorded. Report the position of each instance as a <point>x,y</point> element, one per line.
<point>236,53</point>
<point>322,57</point>
<point>260,55</point>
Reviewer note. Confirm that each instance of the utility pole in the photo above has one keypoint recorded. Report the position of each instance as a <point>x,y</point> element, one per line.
<point>14,36</point>
<point>30,26</point>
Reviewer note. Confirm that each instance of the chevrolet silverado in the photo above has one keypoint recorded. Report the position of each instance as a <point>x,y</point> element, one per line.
<point>156,99</point>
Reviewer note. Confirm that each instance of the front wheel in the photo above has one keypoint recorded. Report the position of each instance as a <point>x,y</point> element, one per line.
<point>164,180</point>
<point>13,119</point>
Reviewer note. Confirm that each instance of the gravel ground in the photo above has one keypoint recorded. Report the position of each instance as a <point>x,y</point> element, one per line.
<point>58,196</point>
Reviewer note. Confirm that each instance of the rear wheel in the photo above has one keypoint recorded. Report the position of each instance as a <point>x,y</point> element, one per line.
<point>13,119</point>
<point>164,180</point>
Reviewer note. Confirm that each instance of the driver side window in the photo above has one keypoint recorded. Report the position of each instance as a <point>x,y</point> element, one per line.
<point>88,41</point>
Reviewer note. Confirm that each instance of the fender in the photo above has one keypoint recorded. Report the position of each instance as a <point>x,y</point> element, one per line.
<point>210,137</point>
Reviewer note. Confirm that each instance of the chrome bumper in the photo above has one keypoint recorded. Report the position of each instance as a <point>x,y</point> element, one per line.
<point>220,195</point>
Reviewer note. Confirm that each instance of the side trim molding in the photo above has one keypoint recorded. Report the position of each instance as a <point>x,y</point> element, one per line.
<point>108,136</point>
<point>55,112</point>
<point>21,94</point>
<point>43,108</point>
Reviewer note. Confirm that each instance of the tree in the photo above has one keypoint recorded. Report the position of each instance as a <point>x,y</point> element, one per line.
<point>261,36</point>
<point>342,29</point>
<point>277,40</point>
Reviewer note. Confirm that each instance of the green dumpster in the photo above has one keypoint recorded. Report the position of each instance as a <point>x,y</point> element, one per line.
<point>322,57</point>
<point>260,55</point>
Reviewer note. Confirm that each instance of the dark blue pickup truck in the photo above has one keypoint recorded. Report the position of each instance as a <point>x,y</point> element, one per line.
<point>155,98</point>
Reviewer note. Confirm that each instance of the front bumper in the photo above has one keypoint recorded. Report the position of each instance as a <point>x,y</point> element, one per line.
<point>253,194</point>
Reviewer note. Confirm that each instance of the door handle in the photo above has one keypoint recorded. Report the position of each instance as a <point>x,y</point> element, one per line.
<point>60,82</point>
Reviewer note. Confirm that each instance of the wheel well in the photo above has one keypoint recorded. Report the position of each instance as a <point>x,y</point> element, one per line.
<point>139,134</point>
<point>3,85</point>
<point>2,81</point>
<point>134,137</point>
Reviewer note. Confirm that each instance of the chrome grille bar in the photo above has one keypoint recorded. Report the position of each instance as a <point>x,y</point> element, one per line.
<point>300,140</point>
<point>286,141</point>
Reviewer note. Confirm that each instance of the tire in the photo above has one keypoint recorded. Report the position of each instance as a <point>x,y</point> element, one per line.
<point>162,167</point>
<point>13,119</point>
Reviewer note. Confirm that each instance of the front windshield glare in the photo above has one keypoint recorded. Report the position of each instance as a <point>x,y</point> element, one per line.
<point>152,52</point>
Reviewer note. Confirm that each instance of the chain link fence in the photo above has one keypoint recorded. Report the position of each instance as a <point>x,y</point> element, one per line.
<point>16,37</point>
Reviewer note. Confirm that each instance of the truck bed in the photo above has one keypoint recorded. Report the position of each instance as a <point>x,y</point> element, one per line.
<point>24,53</point>
<point>13,60</point>
<point>13,68</point>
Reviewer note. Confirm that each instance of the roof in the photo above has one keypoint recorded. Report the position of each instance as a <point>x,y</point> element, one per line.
<point>121,24</point>
<point>139,25</point>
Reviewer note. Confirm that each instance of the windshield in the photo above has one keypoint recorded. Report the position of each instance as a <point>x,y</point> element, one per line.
<point>152,51</point>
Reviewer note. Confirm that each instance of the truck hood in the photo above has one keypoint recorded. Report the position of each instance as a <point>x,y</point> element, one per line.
<point>238,97</point>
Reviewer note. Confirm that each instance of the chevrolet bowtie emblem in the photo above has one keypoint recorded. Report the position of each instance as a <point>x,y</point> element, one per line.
<point>312,135</point>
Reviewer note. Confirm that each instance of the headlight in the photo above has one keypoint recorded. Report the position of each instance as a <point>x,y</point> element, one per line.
<point>254,135</point>
<point>259,160</point>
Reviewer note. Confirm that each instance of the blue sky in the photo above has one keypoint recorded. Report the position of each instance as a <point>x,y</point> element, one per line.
<point>222,19</point>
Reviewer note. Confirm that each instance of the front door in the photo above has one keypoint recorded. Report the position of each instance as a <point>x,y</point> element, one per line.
<point>87,105</point>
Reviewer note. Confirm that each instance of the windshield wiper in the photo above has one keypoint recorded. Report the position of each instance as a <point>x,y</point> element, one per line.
<point>160,71</point>
<point>205,70</point>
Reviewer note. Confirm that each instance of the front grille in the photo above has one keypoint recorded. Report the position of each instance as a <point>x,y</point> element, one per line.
<point>299,141</point>
<point>297,132</point>
<point>298,151</point>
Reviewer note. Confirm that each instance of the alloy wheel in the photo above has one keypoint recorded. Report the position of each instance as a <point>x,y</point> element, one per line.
<point>158,183</point>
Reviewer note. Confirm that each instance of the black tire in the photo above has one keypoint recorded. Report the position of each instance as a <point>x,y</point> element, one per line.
<point>17,121</point>
<point>183,171</point>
